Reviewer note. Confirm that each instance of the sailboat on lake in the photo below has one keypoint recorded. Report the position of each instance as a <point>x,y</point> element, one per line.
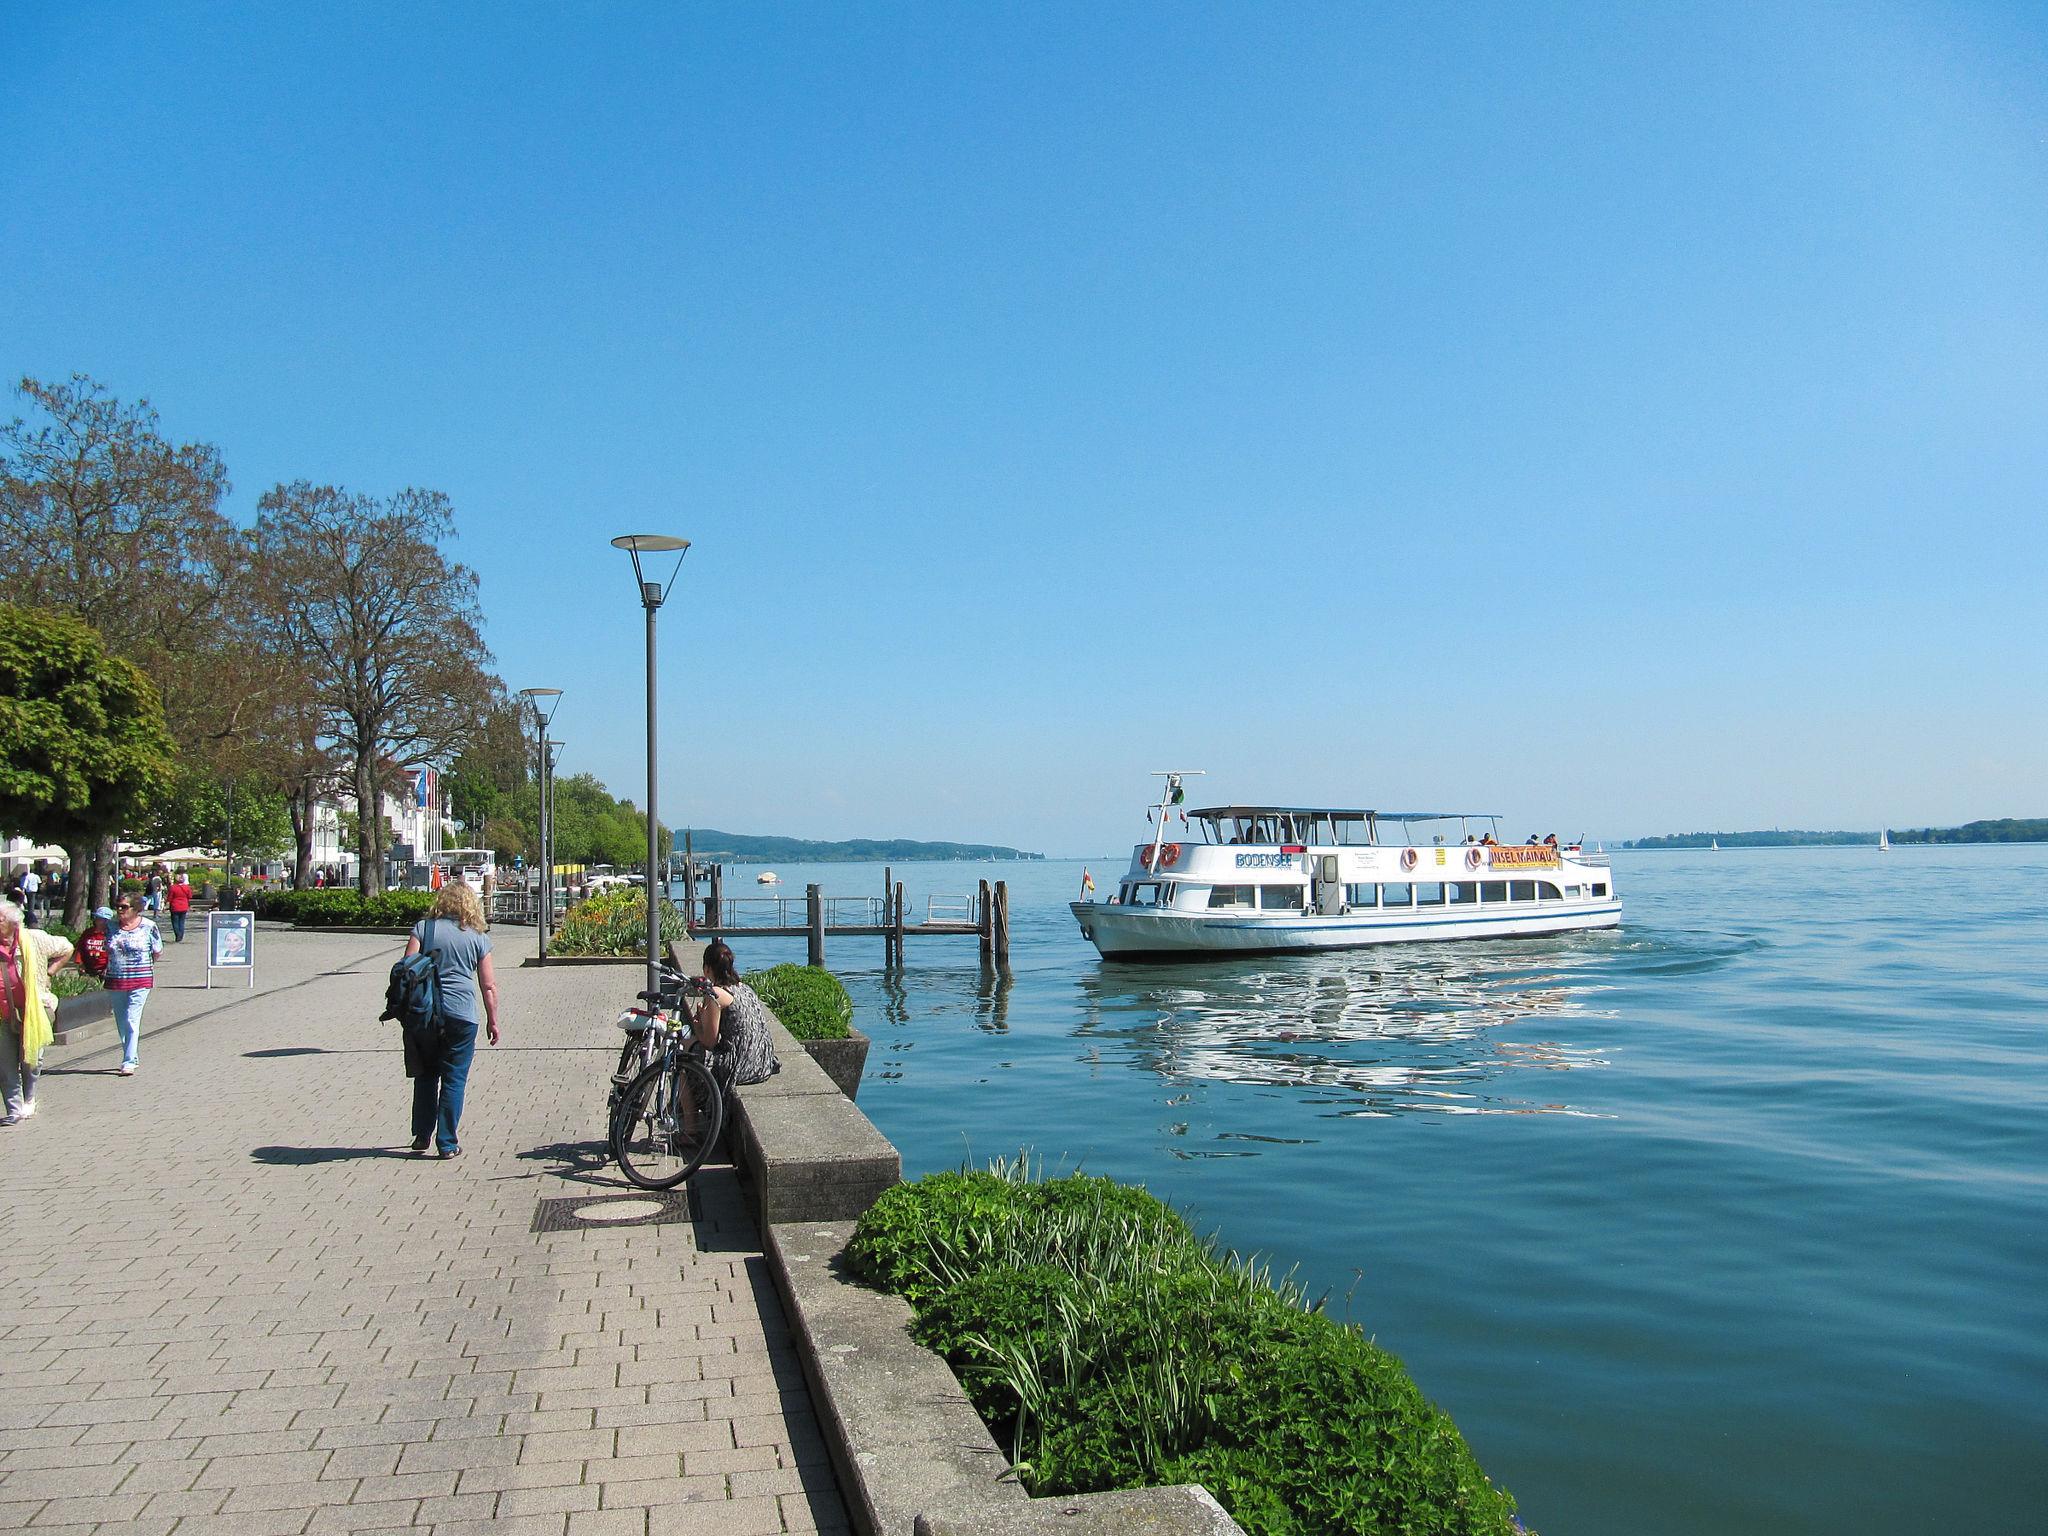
<point>1884,840</point>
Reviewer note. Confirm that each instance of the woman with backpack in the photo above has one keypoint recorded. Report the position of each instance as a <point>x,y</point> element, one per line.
<point>453,933</point>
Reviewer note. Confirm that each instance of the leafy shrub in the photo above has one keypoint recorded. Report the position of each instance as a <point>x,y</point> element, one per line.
<point>811,1002</point>
<point>72,982</point>
<point>614,923</point>
<point>343,908</point>
<point>1113,1348</point>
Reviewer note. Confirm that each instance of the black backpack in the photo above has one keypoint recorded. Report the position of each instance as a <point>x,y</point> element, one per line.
<point>413,996</point>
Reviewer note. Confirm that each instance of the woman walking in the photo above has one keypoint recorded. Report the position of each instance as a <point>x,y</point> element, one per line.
<point>179,900</point>
<point>132,947</point>
<point>28,957</point>
<point>453,933</point>
<point>733,1023</point>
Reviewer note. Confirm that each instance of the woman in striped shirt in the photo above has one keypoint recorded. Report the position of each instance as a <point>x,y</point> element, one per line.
<point>132,948</point>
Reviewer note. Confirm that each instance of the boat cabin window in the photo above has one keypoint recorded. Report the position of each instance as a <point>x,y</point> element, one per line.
<point>1361,895</point>
<point>1231,896</point>
<point>1493,890</point>
<point>1545,891</point>
<point>1575,891</point>
<point>1521,890</point>
<point>1599,888</point>
<point>1464,893</point>
<point>1397,895</point>
<point>1281,898</point>
<point>1430,894</point>
<point>1144,893</point>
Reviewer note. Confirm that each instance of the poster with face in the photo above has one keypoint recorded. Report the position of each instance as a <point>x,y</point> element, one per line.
<point>231,941</point>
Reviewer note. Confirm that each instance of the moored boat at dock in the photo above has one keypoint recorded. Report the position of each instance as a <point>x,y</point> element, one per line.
<point>1264,879</point>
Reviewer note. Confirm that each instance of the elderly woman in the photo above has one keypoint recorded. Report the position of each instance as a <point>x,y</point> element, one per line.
<point>28,958</point>
<point>453,933</point>
<point>133,944</point>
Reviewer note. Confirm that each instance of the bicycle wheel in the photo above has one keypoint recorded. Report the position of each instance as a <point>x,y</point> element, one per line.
<point>634,1058</point>
<point>668,1123</point>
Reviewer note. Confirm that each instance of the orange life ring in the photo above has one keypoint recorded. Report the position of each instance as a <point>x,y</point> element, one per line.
<point>1474,858</point>
<point>1145,857</point>
<point>1169,855</point>
<point>1407,858</point>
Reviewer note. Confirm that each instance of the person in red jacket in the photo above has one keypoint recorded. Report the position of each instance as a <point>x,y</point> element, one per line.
<point>179,900</point>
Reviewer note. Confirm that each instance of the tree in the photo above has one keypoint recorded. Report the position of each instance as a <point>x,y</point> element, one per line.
<point>104,518</point>
<point>82,738</point>
<point>359,593</point>
<point>481,781</point>
<point>192,812</point>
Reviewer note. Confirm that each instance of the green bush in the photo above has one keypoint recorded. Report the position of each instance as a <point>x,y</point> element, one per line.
<point>614,923</point>
<point>1114,1348</point>
<point>72,982</point>
<point>811,1002</point>
<point>338,908</point>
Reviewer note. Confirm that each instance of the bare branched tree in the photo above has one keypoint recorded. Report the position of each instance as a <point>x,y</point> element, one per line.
<point>386,628</point>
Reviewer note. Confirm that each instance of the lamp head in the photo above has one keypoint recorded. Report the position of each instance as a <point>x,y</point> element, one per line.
<point>652,593</point>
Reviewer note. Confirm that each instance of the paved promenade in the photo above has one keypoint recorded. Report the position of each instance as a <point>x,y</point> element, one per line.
<point>229,1302</point>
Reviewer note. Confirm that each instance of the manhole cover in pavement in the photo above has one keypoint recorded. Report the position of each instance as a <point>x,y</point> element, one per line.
<point>652,1209</point>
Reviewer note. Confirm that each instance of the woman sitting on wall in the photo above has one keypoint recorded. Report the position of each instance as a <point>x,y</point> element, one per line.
<point>733,1023</point>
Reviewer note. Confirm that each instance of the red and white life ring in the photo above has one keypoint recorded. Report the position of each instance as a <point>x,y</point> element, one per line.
<point>1474,858</point>
<point>1169,855</point>
<point>1145,857</point>
<point>1407,858</point>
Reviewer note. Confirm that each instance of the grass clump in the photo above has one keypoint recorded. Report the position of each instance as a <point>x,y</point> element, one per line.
<point>1112,1347</point>
<point>811,1002</point>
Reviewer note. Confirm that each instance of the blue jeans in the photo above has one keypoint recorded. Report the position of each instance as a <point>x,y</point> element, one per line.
<point>178,925</point>
<point>437,1094</point>
<point>128,1021</point>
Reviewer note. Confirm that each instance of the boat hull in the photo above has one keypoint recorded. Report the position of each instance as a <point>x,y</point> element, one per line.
<point>1138,933</point>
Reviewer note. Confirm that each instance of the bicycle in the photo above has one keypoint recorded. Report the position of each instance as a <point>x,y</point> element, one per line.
<point>642,1026</point>
<point>665,1121</point>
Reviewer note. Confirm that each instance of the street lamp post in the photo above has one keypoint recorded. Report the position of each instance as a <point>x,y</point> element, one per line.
<point>543,702</point>
<point>652,595</point>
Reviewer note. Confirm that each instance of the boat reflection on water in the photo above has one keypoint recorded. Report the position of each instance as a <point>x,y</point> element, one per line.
<point>1361,1034</point>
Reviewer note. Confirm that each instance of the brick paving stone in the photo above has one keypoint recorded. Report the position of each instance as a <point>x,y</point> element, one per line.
<point>279,1323</point>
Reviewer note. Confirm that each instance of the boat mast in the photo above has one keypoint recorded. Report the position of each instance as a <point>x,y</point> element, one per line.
<point>1170,794</point>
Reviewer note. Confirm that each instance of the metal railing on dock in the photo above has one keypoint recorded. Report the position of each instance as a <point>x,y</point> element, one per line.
<point>815,917</point>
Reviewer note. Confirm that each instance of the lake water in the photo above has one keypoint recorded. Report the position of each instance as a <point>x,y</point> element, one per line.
<point>1733,1220</point>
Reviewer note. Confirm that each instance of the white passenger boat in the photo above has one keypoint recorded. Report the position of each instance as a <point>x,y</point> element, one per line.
<point>1268,879</point>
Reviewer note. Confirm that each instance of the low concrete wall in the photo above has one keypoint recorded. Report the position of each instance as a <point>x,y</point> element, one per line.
<point>913,1457</point>
<point>82,1017</point>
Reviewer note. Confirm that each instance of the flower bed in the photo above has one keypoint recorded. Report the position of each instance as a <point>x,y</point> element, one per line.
<point>614,924</point>
<point>343,908</point>
<point>811,1003</point>
<point>1113,1348</point>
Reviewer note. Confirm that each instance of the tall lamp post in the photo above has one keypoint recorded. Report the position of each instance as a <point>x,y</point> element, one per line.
<point>652,595</point>
<point>543,702</point>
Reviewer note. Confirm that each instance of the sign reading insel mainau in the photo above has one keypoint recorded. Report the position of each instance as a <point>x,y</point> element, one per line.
<point>1524,856</point>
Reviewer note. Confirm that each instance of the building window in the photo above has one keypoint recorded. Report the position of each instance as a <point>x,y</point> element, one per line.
<point>1397,895</point>
<point>1230,896</point>
<point>1280,898</point>
<point>1430,895</point>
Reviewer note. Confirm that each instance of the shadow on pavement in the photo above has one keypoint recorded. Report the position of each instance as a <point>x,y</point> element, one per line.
<point>579,1162</point>
<point>297,1050</point>
<point>292,1157</point>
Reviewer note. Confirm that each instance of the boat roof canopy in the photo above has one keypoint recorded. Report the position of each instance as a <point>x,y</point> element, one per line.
<point>1220,811</point>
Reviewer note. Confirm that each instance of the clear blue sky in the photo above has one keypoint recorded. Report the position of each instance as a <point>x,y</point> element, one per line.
<point>1630,418</point>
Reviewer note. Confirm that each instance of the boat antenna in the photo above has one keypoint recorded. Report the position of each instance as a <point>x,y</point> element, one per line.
<point>1170,795</point>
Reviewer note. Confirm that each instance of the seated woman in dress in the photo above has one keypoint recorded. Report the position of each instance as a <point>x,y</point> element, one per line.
<point>733,1023</point>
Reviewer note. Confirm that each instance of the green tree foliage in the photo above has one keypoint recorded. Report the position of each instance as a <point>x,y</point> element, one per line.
<point>82,739</point>
<point>191,811</point>
<point>591,826</point>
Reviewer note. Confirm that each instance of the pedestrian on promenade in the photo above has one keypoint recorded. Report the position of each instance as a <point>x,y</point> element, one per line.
<point>27,961</point>
<point>453,933</point>
<point>179,899</point>
<point>132,947</point>
<point>32,888</point>
<point>733,1023</point>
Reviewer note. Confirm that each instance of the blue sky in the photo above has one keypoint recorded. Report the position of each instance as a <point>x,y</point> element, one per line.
<point>1630,422</point>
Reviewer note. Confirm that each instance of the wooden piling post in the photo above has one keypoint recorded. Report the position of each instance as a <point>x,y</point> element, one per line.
<point>1001,925</point>
<point>985,922</point>
<point>689,881</point>
<point>714,904</point>
<point>889,955</point>
<point>814,913</point>
<point>896,900</point>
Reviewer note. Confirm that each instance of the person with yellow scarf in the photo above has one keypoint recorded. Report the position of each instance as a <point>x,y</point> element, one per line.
<point>28,957</point>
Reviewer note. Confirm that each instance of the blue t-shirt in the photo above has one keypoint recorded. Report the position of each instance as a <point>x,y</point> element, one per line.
<point>457,954</point>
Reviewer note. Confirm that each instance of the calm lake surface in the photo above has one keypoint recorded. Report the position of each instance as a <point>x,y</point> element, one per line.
<point>1734,1220</point>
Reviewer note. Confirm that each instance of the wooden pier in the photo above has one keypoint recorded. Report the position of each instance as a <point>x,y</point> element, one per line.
<point>815,917</point>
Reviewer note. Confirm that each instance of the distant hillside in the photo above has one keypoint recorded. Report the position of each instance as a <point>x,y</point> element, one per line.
<point>2005,830</point>
<point>743,847</point>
